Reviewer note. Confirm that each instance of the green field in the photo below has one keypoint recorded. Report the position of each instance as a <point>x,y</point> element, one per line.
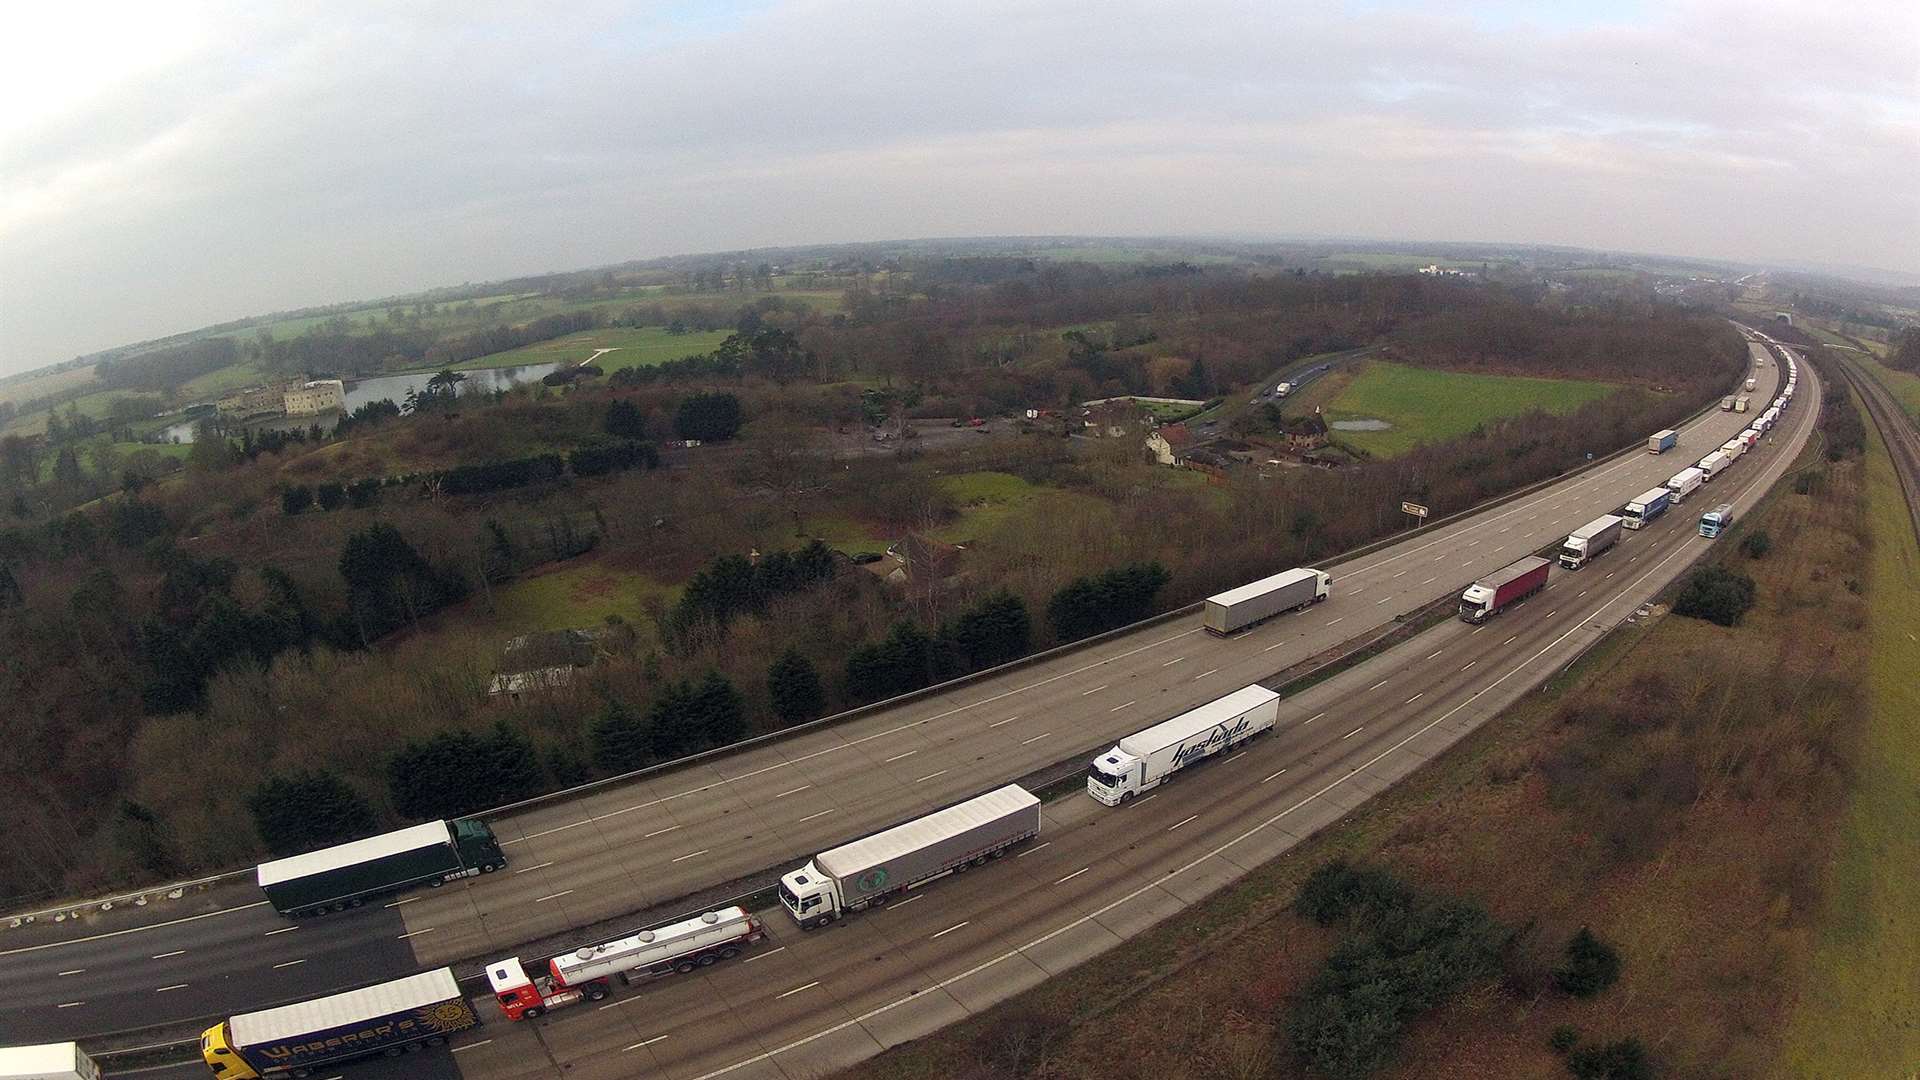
<point>576,596</point>
<point>1424,405</point>
<point>215,383</point>
<point>124,449</point>
<point>642,347</point>
<point>1860,1012</point>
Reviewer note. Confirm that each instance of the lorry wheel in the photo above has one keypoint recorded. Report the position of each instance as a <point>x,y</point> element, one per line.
<point>435,884</point>
<point>962,868</point>
<point>683,966</point>
<point>340,906</point>
<point>729,952</point>
<point>597,992</point>
<point>1126,797</point>
<point>707,959</point>
<point>533,1012</point>
<point>489,868</point>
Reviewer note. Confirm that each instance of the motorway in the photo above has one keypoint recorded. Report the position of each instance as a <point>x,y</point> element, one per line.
<point>806,1004</point>
<point>633,846</point>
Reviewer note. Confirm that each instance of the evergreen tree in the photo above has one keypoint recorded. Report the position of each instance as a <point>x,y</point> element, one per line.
<point>794,687</point>
<point>625,420</point>
<point>1591,965</point>
<point>308,809</point>
<point>620,739</point>
<point>671,728</point>
<point>708,417</point>
<point>719,713</point>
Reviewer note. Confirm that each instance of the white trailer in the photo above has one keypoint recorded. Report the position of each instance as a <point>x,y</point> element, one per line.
<point>1712,465</point>
<point>1146,760</point>
<point>1684,483</point>
<point>1740,403</point>
<point>876,869</point>
<point>1733,448</point>
<point>1590,541</point>
<point>1237,609</point>
<point>1749,437</point>
<point>47,1061</point>
<point>1751,383</point>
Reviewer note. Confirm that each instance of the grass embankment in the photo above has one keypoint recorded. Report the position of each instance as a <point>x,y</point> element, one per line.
<point>1678,790</point>
<point>983,502</point>
<point>1425,405</point>
<point>1859,1014</point>
<point>633,347</point>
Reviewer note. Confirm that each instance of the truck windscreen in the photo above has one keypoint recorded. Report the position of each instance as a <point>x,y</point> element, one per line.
<point>1104,779</point>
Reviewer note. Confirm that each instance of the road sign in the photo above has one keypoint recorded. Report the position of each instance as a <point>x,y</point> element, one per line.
<point>1414,508</point>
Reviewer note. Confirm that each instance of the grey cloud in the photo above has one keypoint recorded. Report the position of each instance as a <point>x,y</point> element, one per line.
<point>291,162</point>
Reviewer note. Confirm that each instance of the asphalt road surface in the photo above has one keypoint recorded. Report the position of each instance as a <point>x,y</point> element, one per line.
<point>630,847</point>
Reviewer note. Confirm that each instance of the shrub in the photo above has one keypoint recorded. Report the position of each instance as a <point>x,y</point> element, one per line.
<point>1623,1060</point>
<point>620,740</point>
<point>1564,1038</point>
<point>1339,889</point>
<point>330,495</point>
<point>295,499</point>
<point>1756,544</point>
<point>625,421</point>
<point>900,664</point>
<point>1093,605</point>
<point>993,631</point>
<point>1590,966</point>
<point>1716,594</point>
<point>304,810</point>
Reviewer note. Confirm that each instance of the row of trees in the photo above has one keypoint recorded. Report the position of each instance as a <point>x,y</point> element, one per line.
<point>992,631</point>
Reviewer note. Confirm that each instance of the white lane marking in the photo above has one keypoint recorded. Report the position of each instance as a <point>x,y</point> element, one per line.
<point>695,854</point>
<point>1235,758</point>
<point>417,933</point>
<point>949,930</point>
<point>1377,685</point>
<point>1352,733</point>
<point>130,930</point>
<point>1552,613</point>
<point>931,775</point>
<point>1073,875</point>
<point>819,814</point>
<point>1095,690</point>
<point>1181,822</point>
<point>1430,581</point>
<point>1435,653</point>
<point>899,757</point>
<point>1336,620</point>
<point>764,955</point>
<point>70,1005</point>
<point>164,989</point>
<point>1036,738</point>
<point>164,955</point>
<point>1511,640</point>
<point>282,930</point>
<point>910,899</point>
<point>793,791</point>
<point>1382,600</point>
<point>397,903</point>
<point>1117,708</point>
<point>660,832</point>
<point>1204,674</point>
<point>1033,849</point>
<point>998,723</point>
<point>657,1038</point>
<point>1402,573</point>
<point>1470,663</point>
<point>75,971</point>
<point>1476,630</point>
<point>288,964</point>
<point>1314,717</point>
<point>1415,698</point>
<point>536,866</point>
<point>471,1045</point>
<point>797,989</point>
<point>1175,660</point>
<point>554,896</point>
<point>1282,772</point>
<point>1149,798</point>
<point>1274,646</point>
<point>1154,644</point>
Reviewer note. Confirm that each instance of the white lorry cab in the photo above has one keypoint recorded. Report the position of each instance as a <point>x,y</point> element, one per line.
<point>1145,760</point>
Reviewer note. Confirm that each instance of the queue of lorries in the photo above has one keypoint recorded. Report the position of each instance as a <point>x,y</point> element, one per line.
<point>413,1013</point>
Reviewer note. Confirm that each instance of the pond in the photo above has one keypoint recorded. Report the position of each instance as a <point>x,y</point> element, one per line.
<point>385,387</point>
<point>1360,425</point>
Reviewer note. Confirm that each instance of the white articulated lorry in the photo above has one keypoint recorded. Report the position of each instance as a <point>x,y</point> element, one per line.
<point>1146,760</point>
<point>1589,541</point>
<point>886,864</point>
<point>1712,465</point>
<point>48,1061</point>
<point>1684,483</point>
<point>1237,609</point>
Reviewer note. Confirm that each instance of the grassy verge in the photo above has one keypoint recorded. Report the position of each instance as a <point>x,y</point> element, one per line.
<point>1860,1012</point>
<point>1425,405</point>
<point>1677,790</point>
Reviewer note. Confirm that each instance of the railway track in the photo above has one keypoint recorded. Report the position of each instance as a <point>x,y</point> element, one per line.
<point>1896,430</point>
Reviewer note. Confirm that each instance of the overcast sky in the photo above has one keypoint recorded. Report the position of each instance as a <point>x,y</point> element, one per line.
<point>164,166</point>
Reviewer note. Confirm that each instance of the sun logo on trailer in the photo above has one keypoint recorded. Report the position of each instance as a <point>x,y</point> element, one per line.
<point>873,879</point>
<point>447,1016</point>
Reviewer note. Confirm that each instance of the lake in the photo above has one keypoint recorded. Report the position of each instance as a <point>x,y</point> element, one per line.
<point>385,388</point>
